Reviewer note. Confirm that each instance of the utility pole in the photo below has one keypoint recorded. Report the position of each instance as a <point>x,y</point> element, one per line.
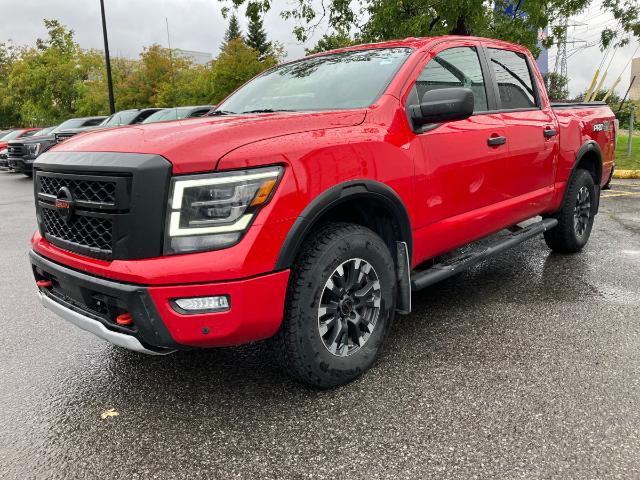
<point>173,71</point>
<point>112,102</point>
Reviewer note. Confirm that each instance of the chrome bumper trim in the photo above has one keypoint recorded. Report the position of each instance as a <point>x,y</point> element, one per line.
<point>93,326</point>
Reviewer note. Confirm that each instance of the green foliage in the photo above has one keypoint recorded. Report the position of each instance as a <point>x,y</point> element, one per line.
<point>256,36</point>
<point>331,41</point>
<point>233,29</point>
<point>236,64</point>
<point>8,114</point>
<point>57,79</point>
<point>632,162</point>
<point>44,81</point>
<point>557,86</point>
<point>375,20</point>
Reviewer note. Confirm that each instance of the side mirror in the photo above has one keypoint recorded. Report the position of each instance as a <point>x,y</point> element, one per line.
<point>443,105</point>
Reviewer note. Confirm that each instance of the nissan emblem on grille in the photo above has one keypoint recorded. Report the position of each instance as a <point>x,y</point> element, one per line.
<point>64,204</point>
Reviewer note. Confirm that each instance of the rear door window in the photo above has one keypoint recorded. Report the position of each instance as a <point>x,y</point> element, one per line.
<point>455,67</point>
<point>513,76</point>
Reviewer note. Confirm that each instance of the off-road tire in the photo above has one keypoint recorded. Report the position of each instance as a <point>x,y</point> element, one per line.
<point>564,238</point>
<point>299,344</point>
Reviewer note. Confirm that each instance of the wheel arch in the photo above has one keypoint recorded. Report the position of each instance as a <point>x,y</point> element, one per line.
<point>364,202</point>
<point>589,157</point>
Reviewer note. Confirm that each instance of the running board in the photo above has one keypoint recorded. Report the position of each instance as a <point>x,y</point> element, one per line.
<point>458,264</point>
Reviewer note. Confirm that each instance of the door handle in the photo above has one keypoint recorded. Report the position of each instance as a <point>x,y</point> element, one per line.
<point>550,132</point>
<point>496,141</point>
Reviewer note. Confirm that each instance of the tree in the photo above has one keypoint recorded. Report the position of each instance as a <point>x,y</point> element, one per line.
<point>233,29</point>
<point>557,86</point>
<point>331,41</point>
<point>374,20</point>
<point>44,81</point>
<point>256,36</point>
<point>8,111</point>
<point>236,64</point>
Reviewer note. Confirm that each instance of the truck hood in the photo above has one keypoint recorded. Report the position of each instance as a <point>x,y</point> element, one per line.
<point>194,145</point>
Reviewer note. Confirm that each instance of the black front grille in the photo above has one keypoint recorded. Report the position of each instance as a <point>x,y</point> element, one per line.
<point>96,201</point>
<point>104,205</point>
<point>16,150</point>
<point>96,191</point>
<point>91,232</point>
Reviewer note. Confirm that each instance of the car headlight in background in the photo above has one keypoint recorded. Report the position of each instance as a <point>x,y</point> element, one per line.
<point>33,149</point>
<point>212,211</point>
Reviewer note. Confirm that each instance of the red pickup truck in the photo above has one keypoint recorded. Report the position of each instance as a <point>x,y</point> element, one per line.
<point>314,200</point>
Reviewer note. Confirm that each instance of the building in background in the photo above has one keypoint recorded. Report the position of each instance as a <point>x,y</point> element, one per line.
<point>634,93</point>
<point>198,58</point>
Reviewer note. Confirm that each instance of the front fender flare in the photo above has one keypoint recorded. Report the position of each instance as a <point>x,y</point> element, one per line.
<point>354,189</point>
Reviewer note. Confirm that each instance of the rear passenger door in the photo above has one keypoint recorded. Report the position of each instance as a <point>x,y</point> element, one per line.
<point>531,127</point>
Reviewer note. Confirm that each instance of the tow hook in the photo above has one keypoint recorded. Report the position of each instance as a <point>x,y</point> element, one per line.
<point>44,283</point>
<point>124,320</point>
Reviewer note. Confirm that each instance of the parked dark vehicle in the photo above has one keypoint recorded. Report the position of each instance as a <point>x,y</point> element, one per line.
<point>179,113</point>
<point>118,119</point>
<point>21,154</point>
<point>4,164</point>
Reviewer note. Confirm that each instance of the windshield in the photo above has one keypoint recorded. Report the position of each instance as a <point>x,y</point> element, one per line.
<point>11,135</point>
<point>121,118</point>
<point>71,123</point>
<point>169,114</point>
<point>106,120</point>
<point>44,131</point>
<point>163,116</point>
<point>344,80</point>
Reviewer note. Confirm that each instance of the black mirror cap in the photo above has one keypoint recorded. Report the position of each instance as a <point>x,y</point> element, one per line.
<point>443,105</point>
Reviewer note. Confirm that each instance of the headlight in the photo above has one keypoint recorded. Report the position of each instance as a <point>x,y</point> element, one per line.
<point>210,212</point>
<point>33,149</point>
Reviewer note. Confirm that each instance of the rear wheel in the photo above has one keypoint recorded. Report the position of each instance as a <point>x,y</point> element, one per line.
<point>576,215</point>
<point>339,306</point>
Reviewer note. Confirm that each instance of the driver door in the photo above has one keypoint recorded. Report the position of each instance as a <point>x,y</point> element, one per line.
<point>461,169</point>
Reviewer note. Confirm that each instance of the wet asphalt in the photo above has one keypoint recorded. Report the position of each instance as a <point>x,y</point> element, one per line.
<point>527,366</point>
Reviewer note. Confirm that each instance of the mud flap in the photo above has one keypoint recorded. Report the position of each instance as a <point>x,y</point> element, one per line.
<point>403,272</point>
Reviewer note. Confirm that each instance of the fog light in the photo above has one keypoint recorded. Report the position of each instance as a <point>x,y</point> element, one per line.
<point>218,303</point>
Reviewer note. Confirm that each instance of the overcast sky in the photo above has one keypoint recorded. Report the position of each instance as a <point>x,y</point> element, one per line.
<point>198,25</point>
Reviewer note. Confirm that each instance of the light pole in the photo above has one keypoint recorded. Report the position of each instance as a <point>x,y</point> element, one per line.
<point>112,103</point>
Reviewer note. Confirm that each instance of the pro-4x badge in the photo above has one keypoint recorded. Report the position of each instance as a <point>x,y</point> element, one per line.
<point>64,204</point>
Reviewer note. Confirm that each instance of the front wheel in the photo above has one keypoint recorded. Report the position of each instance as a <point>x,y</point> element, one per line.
<point>576,215</point>
<point>339,306</point>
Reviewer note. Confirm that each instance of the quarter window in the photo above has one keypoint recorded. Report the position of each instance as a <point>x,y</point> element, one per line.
<point>455,67</point>
<point>513,76</point>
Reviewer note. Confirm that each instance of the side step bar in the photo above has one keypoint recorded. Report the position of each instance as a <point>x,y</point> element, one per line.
<point>456,265</point>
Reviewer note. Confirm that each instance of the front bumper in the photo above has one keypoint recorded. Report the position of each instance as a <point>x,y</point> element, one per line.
<point>93,303</point>
<point>90,325</point>
<point>20,164</point>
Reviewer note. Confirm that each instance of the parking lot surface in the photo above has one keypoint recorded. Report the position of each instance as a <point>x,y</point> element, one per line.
<point>526,366</point>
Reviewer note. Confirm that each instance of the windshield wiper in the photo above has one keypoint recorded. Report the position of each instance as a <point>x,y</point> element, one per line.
<point>221,112</point>
<point>267,110</point>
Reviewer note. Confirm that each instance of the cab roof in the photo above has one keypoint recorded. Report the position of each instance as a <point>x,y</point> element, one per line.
<point>417,43</point>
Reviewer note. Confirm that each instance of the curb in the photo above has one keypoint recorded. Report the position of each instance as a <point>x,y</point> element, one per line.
<point>626,174</point>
